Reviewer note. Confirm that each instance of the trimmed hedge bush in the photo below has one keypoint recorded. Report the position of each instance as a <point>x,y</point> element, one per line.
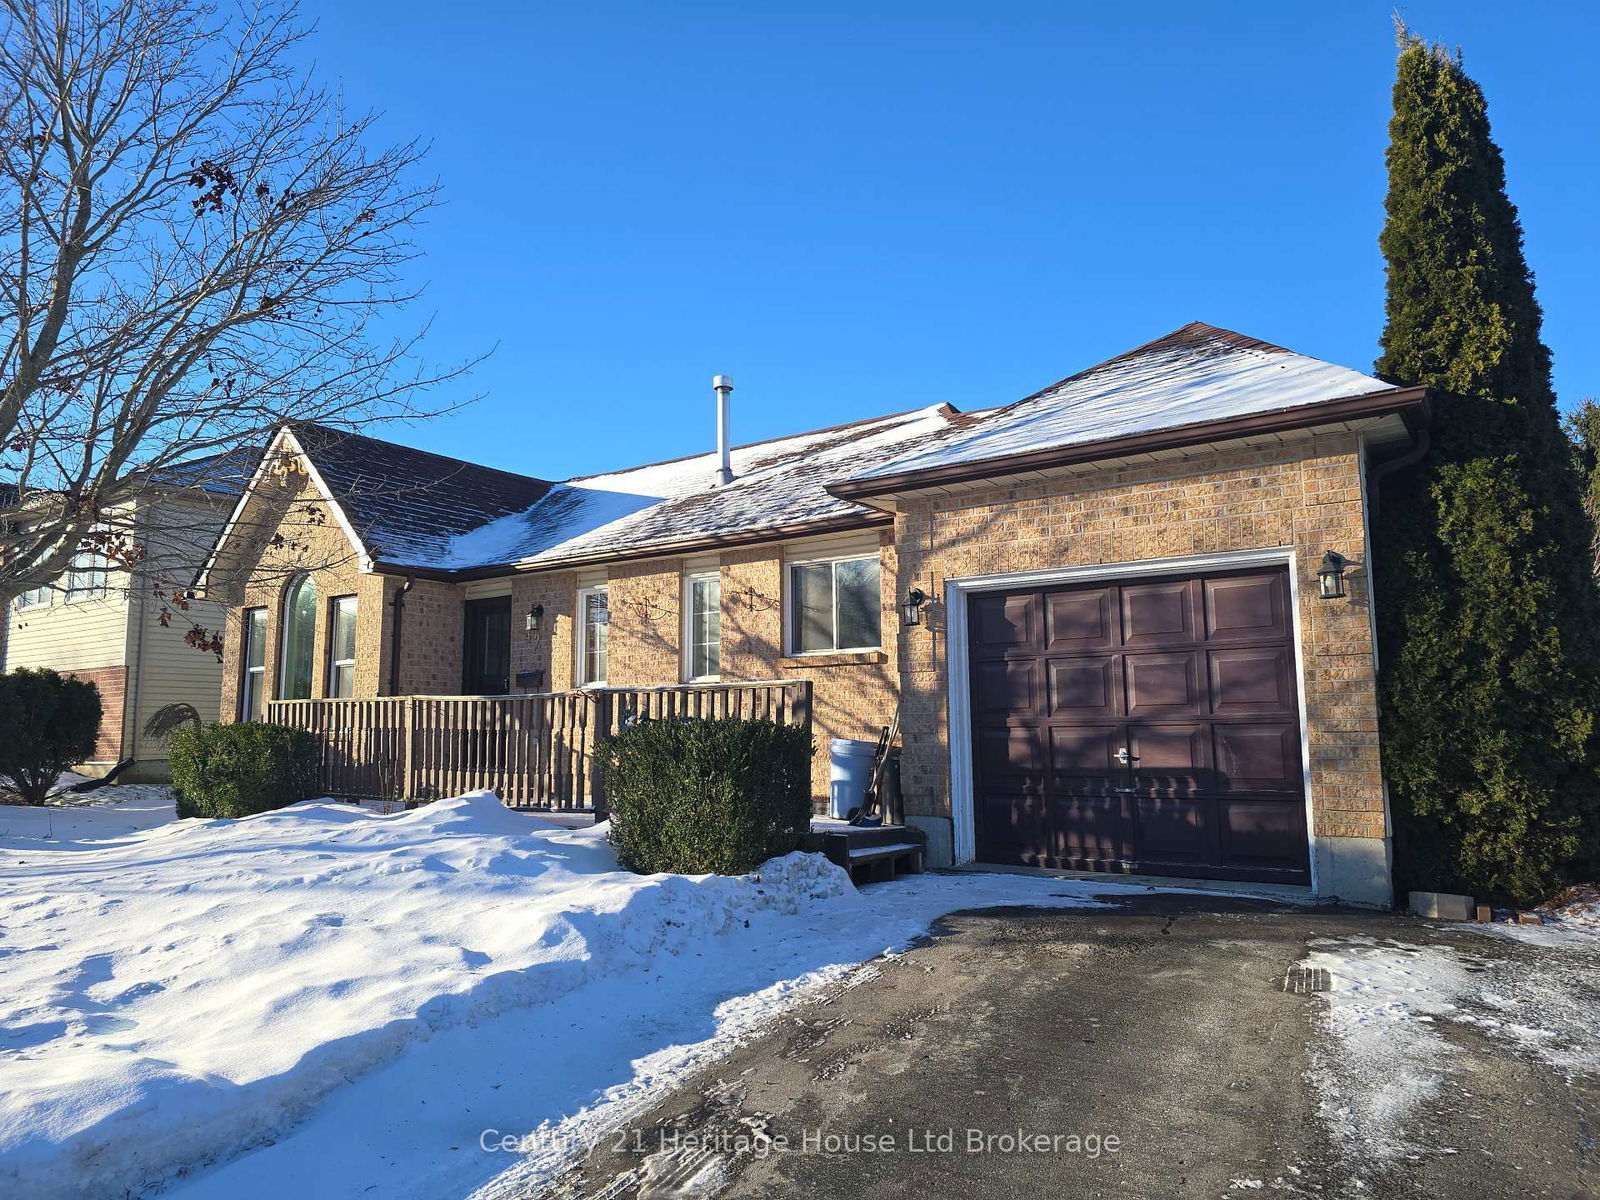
<point>48,722</point>
<point>707,796</point>
<point>237,769</point>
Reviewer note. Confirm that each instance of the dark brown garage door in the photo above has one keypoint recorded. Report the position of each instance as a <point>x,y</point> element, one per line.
<point>1149,726</point>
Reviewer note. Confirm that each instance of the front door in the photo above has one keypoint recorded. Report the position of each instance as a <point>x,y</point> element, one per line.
<point>1148,726</point>
<point>486,648</point>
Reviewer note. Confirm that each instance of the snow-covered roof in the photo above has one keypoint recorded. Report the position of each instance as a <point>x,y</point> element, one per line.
<point>413,510</point>
<point>777,485</point>
<point>1192,376</point>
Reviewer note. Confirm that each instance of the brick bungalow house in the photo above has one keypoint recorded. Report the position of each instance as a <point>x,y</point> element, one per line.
<point>1125,658</point>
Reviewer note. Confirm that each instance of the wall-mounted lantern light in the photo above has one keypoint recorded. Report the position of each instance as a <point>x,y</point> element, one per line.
<point>911,607</point>
<point>535,618</point>
<point>1330,576</point>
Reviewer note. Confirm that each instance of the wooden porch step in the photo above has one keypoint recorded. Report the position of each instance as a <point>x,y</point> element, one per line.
<point>874,853</point>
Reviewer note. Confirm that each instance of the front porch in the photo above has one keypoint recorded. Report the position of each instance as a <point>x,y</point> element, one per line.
<point>535,752</point>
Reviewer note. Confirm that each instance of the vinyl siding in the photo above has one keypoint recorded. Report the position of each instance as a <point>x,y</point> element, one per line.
<point>164,668</point>
<point>72,636</point>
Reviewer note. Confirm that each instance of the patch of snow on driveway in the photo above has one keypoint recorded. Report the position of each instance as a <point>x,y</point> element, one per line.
<point>1392,1007</point>
<point>1387,1056</point>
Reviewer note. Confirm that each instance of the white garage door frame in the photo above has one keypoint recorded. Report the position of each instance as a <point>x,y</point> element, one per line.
<point>957,593</point>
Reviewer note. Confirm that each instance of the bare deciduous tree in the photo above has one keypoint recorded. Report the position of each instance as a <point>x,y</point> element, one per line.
<point>196,243</point>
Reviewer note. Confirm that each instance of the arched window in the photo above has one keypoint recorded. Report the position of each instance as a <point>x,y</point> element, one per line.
<point>299,639</point>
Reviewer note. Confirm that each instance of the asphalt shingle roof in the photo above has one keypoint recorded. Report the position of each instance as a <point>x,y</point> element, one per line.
<point>407,505</point>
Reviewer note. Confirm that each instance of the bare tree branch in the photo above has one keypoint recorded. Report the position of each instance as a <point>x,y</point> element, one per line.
<point>196,244</point>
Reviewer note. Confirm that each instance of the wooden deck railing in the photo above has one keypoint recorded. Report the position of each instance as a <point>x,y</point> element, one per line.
<point>538,751</point>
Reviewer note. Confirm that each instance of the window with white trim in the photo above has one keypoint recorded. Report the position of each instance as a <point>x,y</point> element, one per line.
<point>341,647</point>
<point>35,597</point>
<point>86,573</point>
<point>835,604</point>
<point>253,664</point>
<point>702,626</point>
<point>594,621</point>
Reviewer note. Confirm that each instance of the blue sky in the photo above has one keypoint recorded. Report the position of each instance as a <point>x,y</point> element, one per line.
<point>858,208</point>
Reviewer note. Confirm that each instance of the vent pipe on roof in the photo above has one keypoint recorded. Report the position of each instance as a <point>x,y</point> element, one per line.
<point>724,388</point>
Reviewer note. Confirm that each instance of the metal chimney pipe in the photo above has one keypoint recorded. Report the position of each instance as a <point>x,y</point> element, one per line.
<point>724,388</point>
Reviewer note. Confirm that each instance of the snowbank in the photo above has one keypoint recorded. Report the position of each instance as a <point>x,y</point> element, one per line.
<point>184,993</point>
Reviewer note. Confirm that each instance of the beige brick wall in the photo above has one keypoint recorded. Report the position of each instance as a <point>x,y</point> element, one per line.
<point>291,530</point>
<point>1305,495</point>
<point>853,694</point>
<point>284,531</point>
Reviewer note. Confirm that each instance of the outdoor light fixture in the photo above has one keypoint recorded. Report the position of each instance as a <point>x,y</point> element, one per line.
<point>1330,576</point>
<point>911,607</point>
<point>535,618</point>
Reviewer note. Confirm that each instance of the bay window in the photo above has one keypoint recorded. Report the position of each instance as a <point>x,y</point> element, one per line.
<point>253,664</point>
<point>299,639</point>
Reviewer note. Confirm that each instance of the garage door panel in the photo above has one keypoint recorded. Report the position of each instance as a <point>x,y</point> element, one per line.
<point>1089,830</point>
<point>1258,757</point>
<point>1080,621</point>
<point>1011,828</point>
<point>1004,623</point>
<point>1175,829</point>
<point>1008,688</point>
<point>1083,688</point>
<point>1247,608</point>
<point>1172,759</point>
<point>1011,758</point>
<point>1158,614</point>
<point>1163,684</point>
<point>1257,680</point>
<point>1262,834</point>
<point>1083,759</point>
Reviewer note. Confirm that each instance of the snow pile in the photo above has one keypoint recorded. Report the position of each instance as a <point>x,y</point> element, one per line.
<point>191,990</point>
<point>1576,910</point>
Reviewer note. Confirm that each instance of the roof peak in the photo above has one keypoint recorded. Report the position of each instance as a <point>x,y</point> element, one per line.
<point>1195,335</point>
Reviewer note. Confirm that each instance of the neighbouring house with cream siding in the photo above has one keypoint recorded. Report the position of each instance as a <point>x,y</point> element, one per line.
<point>113,633</point>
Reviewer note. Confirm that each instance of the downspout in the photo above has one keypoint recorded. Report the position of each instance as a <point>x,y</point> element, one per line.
<point>394,643</point>
<point>133,673</point>
<point>1410,458</point>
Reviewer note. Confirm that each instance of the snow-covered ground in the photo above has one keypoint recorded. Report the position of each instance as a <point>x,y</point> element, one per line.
<point>329,1002</point>
<point>95,816</point>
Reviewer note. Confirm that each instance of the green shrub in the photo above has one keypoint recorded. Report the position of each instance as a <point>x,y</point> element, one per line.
<point>238,769</point>
<point>702,796</point>
<point>48,722</point>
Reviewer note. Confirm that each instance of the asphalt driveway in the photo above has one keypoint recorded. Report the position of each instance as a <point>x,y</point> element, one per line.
<point>1167,1047</point>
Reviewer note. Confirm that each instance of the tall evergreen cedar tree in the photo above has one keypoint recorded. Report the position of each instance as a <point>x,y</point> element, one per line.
<point>1488,614</point>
